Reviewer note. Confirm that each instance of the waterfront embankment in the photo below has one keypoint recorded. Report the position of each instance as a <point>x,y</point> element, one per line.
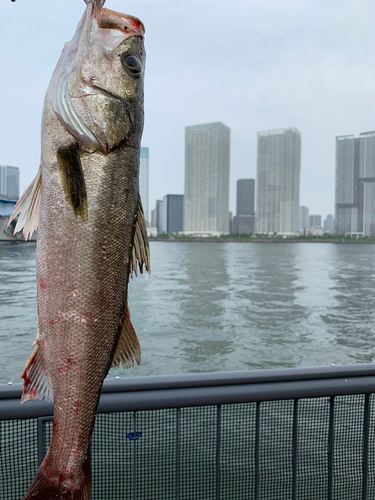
<point>260,239</point>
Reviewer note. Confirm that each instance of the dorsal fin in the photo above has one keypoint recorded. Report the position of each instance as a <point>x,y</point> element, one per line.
<point>141,249</point>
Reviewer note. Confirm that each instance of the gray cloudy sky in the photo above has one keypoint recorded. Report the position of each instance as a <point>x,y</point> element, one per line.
<point>252,64</point>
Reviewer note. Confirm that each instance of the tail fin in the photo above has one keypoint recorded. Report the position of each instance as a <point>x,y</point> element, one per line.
<point>60,487</point>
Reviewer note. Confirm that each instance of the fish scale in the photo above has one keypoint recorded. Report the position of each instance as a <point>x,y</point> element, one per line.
<point>91,235</point>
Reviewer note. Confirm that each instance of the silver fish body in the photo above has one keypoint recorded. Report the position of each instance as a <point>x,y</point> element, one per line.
<point>91,233</point>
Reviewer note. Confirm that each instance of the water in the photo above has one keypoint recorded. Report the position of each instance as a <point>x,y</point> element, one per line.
<point>222,307</point>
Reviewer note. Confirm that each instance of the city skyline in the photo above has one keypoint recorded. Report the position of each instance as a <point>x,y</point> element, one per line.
<point>321,84</point>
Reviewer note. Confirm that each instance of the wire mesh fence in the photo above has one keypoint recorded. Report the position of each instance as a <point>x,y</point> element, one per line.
<point>297,448</point>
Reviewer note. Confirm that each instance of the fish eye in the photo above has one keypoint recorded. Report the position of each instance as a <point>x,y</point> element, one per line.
<point>133,64</point>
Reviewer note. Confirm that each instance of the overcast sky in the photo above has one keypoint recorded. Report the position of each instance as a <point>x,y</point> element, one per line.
<point>251,64</point>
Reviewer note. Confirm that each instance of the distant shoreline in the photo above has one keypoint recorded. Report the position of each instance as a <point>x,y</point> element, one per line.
<point>261,240</point>
<point>362,241</point>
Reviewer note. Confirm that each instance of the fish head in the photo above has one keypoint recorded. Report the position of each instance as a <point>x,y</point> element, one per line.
<point>103,95</point>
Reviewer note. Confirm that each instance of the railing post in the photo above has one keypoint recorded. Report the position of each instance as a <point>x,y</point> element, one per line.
<point>366,432</point>
<point>41,438</point>
<point>257,446</point>
<point>218,442</point>
<point>331,443</point>
<point>295,450</point>
<point>177,453</point>
<point>135,458</point>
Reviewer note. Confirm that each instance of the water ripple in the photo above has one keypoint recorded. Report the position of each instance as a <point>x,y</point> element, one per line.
<point>222,306</point>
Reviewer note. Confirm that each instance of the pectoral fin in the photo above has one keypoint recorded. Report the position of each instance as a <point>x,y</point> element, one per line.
<point>128,348</point>
<point>28,208</point>
<point>140,249</point>
<point>72,178</point>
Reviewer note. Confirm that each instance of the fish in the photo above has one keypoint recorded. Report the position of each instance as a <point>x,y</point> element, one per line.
<point>92,235</point>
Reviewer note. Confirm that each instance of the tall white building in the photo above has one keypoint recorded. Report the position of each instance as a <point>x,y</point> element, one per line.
<point>143,181</point>
<point>355,185</point>
<point>278,182</point>
<point>206,200</point>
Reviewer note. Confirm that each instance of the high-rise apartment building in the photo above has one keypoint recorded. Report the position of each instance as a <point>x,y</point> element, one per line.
<point>143,181</point>
<point>245,197</point>
<point>315,221</point>
<point>9,182</point>
<point>328,224</point>
<point>206,200</point>
<point>173,209</point>
<point>355,185</point>
<point>244,221</point>
<point>153,217</point>
<point>278,182</point>
<point>303,218</point>
<point>157,216</point>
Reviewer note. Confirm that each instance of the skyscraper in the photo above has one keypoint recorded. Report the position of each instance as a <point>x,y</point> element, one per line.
<point>328,224</point>
<point>355,185</point>
<point>9,182</point>
<point>153,217</point>
<point>173,207</point>
<point>157,216</point>
<point>303,218</point>
<point>143,181</point>
<point>206,200</point>
<point>278,167</point>
<point>244,221</point>
<point>315,221</point>
<point>347,180</point>
<point>245,196</point>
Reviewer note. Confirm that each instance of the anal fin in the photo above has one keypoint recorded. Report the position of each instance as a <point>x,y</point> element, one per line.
<point>35,385</point>
<point>28,208</point>
<point>128,348</point>
<point>141,249</point>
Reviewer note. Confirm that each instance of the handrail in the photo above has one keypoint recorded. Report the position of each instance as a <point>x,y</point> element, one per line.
<point>177,391</point>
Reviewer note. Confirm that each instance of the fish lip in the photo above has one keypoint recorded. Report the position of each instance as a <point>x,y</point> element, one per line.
<point>116,20</point>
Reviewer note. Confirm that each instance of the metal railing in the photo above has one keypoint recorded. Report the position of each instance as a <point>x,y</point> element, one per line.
<point>266,434</point>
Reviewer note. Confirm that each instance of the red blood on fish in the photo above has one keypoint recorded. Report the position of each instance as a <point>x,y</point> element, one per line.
<point>76,406</point>
<point>62,478</point>
<point>42,284</point>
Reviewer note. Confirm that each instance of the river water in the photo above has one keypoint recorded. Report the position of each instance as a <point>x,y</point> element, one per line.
<point>222,307</point>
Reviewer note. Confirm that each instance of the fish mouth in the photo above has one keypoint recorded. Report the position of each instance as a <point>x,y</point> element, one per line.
<point>129,25</point>
<point>114,27</point>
